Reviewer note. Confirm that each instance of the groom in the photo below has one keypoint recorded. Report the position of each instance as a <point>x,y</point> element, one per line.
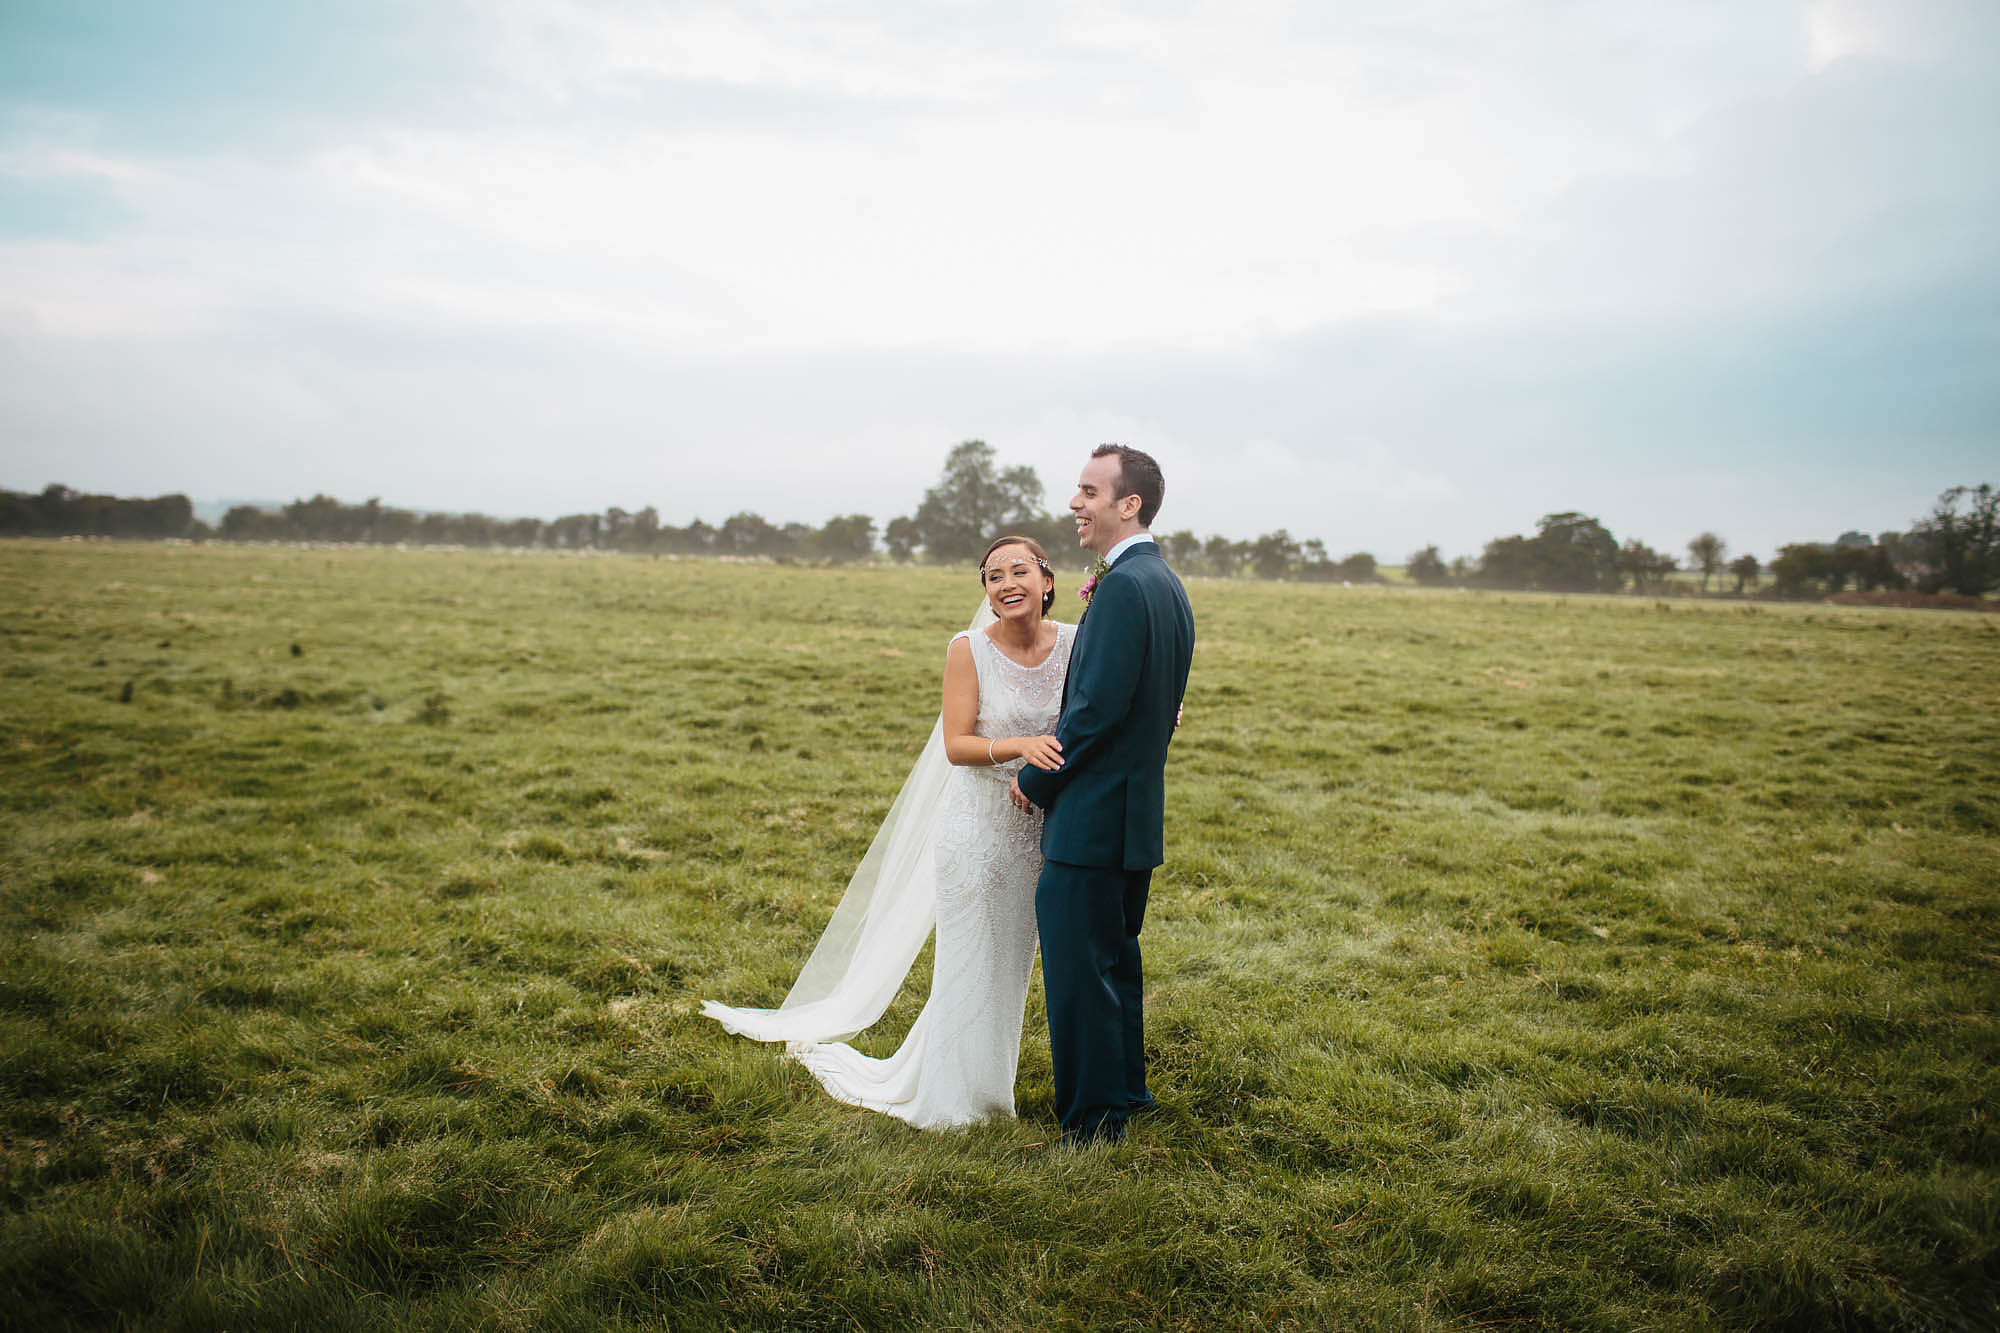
<point>1106,804</point>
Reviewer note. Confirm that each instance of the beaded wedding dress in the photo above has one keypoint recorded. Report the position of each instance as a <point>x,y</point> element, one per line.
<point>957,1064</point>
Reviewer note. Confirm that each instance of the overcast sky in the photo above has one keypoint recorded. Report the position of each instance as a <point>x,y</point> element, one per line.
<point>1381,274</point>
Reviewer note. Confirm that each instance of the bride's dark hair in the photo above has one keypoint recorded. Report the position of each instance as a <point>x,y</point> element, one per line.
<point>1041,559</point>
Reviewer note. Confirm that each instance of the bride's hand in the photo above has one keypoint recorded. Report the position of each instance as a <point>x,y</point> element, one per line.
<point>1042,751</point>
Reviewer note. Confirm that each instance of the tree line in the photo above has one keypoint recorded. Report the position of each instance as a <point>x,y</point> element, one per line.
<point>59,511</point>
<point>1954,548</point>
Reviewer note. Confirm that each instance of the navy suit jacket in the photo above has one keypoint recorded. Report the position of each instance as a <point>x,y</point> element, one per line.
<point>1128,671</point>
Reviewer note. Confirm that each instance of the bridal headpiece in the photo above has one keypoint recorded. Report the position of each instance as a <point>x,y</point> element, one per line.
<point>1035,553</point>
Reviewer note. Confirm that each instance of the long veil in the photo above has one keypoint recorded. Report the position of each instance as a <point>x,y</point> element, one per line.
<point>879,928</point>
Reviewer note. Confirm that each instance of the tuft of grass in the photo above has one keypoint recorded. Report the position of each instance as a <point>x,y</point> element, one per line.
<point>1518,960</point>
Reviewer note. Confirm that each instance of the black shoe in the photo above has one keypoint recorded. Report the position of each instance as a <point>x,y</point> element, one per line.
<point>1107,1133</point>
<point>1133,1110</point>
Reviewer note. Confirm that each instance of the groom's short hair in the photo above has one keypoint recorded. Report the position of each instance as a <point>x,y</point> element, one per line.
<point>1138,475</point>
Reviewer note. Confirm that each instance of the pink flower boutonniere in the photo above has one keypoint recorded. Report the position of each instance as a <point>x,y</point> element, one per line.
<point>1097,571</point>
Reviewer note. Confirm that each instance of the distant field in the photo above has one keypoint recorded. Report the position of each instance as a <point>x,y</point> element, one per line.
<point>1595,963</point>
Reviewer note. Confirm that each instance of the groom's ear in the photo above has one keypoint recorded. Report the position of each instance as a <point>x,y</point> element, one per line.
<point>1129,507</point>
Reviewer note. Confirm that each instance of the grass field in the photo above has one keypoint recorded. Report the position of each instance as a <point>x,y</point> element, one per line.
<point>1518,961</point>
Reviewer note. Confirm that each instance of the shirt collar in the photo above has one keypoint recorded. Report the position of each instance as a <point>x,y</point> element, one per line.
<point>1137,538</point>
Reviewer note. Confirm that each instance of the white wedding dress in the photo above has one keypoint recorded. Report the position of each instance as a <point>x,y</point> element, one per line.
<point>957,1064</point>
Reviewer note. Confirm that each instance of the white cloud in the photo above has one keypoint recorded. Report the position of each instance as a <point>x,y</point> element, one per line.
<point>1230,182</point>
<point>568,50</point>
<point>1384,275</point>
<point>57,161</point>
<point>66,290</point>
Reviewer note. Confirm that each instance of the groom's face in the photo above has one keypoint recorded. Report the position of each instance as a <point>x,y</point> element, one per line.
<point>1101,522</point>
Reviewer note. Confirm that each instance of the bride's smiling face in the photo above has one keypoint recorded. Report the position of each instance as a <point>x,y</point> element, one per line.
<point>1016,587</point>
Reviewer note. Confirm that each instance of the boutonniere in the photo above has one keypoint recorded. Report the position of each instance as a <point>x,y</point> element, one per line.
<point>1097,571</point>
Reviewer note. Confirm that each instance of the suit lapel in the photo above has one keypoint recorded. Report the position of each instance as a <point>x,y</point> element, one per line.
<point>1082,629</point>
<point>1075,655</point>
<point>1083,621</point>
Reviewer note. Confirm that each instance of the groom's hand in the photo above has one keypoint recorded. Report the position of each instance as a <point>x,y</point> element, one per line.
<point>1019,797</point>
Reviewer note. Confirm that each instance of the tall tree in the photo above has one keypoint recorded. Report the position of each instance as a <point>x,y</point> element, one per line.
<point>1575,553</point>
<point>1706,552</point>
<point>1744,568</point>
<point>393,526</point>
<point>1869,566</point>
<point>1315,566</point>
<point>847,537</point>
<point>1223,556</point>
<point>520,533</point>
<point>746,533</point>
<point>1800,568</point>
<point>975,501</point>
<point>1357,568</point>
<point>1182,549</point>
<point>1960,551</point>
<point>1508,562</point>
<point>571,532</point>
<point>315,520</point>
<point>248,523</point>
<point>1426,567</point>
<point>1273,554</point>
<point>1647,568</point>
<point>697,538</point>
<point>646,528</point>
<point>900,537</point>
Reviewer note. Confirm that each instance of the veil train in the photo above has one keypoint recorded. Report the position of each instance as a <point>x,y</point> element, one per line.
<point>879,928</point>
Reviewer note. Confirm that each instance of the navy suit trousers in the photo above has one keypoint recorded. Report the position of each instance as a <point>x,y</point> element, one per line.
<point>1089,919</point>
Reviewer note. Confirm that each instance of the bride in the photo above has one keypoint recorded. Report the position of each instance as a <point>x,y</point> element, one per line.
<point>953,850</point>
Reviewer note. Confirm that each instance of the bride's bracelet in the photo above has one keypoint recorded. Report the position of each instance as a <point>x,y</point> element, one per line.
<point>989,753</point>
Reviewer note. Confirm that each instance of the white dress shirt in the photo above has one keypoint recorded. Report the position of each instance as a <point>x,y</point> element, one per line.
<point>1122,547</point>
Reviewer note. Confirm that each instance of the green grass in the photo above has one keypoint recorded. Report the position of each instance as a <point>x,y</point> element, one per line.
<point>1519,961</point>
